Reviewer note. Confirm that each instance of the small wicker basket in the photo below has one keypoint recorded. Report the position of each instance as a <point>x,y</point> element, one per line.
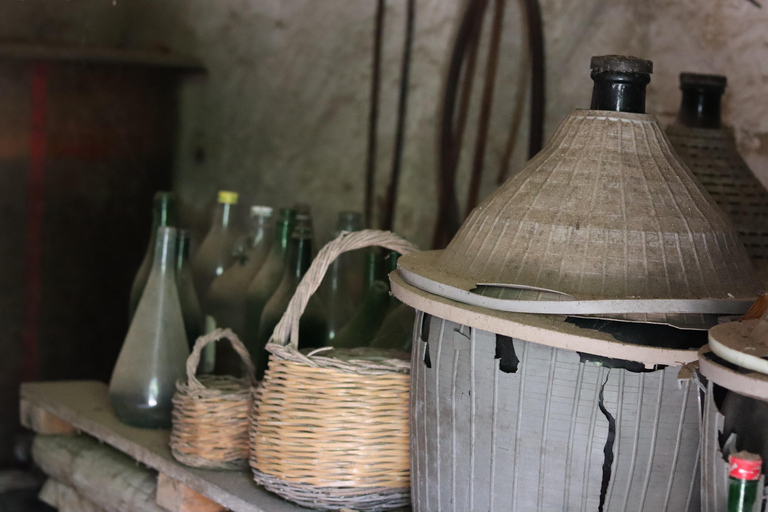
<point>210,412</point>
<point>331,431</point>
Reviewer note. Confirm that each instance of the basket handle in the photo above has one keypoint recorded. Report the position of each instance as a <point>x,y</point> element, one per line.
<point>194,358</point>
<point>287,330</point>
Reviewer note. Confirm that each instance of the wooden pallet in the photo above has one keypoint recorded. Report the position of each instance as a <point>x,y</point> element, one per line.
<point>69,407</point>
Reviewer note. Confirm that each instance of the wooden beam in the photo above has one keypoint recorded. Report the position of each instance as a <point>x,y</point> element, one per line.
<point>42,421</point>
<point>177,497</point>
<point>109,479</point>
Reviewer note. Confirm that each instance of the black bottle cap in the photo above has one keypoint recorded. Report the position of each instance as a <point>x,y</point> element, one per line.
<point>697,80</point>
<point>700,104</point>
<point>620,83</point>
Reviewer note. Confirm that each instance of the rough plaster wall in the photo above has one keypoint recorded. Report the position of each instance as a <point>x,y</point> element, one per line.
<point>282,114</point>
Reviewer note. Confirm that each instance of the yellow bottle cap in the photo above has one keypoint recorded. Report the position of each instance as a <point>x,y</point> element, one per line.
<point>227,197</point>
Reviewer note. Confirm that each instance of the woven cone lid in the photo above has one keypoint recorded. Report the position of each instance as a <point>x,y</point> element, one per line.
<point>712,156</point>
<point>605,210</point>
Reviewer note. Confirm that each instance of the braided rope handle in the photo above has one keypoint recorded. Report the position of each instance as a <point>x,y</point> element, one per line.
<point>287,330</point>
<point>194,358</point>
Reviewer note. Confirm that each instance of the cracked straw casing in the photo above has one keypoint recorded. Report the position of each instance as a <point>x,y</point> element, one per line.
<point>486,438</point>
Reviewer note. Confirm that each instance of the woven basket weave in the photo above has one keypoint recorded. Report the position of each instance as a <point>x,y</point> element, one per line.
<point>331,431</point>
<point>210,412</point>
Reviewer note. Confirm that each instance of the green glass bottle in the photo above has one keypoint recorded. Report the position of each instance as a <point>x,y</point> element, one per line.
<point>397,329</point>
<point>163,214</point>
<point>215,252</point>
<point>154,354</point>
<point>743,481</point>
<point>312,326</point>
<point>362,328</point>
<point>342,287</point>
<point>268,278</point>
<point>190,306</point>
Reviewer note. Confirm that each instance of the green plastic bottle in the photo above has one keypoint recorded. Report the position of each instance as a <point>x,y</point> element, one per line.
<point>743,481</point>
<point>163,214</point>
<point>312,326</point>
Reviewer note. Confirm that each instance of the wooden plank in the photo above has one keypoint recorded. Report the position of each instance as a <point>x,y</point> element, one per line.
<point>42,421</point>
<point>99,55</point>
<point>85,404</point>
<point>100,474</point>
<point>66,499</point>
<point>177,497</point>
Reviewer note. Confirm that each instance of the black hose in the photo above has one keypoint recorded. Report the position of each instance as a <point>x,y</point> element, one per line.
<point>402,109</point>
<point>373,117</point>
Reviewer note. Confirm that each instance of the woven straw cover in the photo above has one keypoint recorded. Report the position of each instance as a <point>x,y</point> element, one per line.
<point>211,412</point>
<point>605,210</point>
<point>712,156</point>
<point>330,427</point>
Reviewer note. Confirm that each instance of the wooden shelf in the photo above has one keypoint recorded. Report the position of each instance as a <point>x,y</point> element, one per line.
<point>99,55</point>
<point>53,407</point>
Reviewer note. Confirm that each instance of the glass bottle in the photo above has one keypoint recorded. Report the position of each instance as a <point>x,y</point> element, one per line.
<point>312,325</point>
<point>226,295</point>
<point>743,481</point>
<point>361,329</point>
<point>700,103</point>
<point>190,306</point>
<point>163,214</point>
<point>155,350</point>
<point>619,83</point>
<point>215,252</point>
<point>397,329</point>
<point>268,278</point>
<point>709,150</point>
<point>342,289</point>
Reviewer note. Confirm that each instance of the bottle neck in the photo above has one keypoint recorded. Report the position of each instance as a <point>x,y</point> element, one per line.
<point>165,251</point>
<point>372,267</point>
<point>182,251</point>
<point>163,212</point>
<point>282,238</point>
<point>619,91</point>
<point>260,230</point>
<point>700,108</point>
<point>303,257</point>
<point>222,216</point>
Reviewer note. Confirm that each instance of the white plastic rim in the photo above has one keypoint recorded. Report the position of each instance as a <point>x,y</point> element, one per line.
<point>733,342</point>
<point>575,306</point>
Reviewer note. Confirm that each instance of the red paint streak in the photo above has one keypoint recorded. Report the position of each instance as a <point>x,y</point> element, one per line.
<point>34,240</point>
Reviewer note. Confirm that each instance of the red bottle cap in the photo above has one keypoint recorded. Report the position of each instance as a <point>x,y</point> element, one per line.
<point>745,466</point>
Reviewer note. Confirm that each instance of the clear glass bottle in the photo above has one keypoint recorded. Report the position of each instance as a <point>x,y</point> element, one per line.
<point>226,296</point>
<point>155,350</point>
<point>163,214</point>
<point>312,326</point>
<point>342,288</point>
<point>215,252</point>
<point>268,278</point>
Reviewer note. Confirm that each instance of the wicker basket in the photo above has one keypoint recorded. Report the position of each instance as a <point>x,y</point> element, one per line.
<point>210,412</point>
<point>331,431</point>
